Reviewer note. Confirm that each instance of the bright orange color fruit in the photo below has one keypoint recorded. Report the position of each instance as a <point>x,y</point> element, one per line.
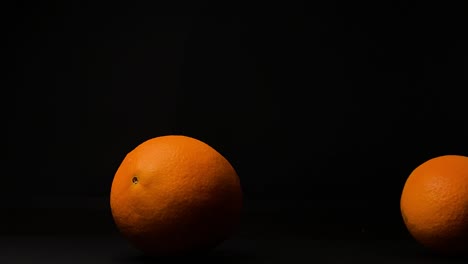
<point>434,204</point>
<point>175,195</point>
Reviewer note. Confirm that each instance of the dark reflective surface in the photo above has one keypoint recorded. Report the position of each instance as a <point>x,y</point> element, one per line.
<point>269,233</point>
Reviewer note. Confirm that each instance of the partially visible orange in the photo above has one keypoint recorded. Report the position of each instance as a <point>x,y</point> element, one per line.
<point>434,204</point>
<point>174,195</point>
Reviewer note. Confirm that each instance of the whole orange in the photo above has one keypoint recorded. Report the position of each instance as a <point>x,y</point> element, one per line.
<point>175,195</point>
<point>434,204</point>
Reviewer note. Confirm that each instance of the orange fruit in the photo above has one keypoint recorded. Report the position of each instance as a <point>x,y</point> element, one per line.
<point>434,204</point>
<point>175,195</point>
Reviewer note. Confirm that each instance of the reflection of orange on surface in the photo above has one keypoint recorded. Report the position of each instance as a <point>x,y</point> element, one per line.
<point>434,204</point>
<point>174,195</point>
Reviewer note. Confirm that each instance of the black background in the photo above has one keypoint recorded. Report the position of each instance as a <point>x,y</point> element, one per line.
<point>327,105</point>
